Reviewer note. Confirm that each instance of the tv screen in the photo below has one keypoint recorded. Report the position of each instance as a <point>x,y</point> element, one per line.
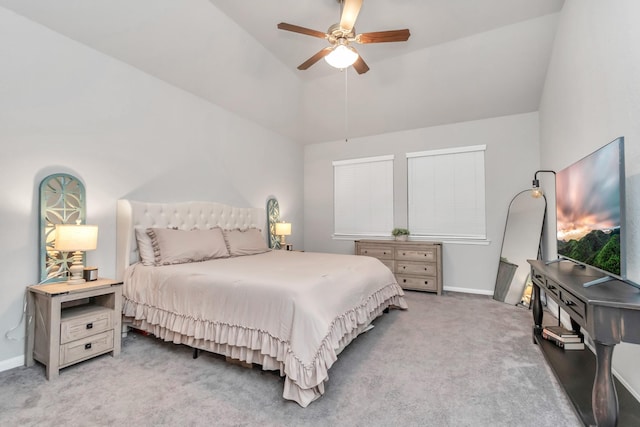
<point>590,199</point>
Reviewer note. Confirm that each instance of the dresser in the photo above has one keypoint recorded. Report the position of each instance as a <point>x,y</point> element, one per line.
<point>72,323</point>
<point>416,265</point>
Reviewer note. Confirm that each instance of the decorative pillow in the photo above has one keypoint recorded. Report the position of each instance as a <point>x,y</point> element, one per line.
<point>145,249</point>
<point>245,242</point>
<point>181,246</point>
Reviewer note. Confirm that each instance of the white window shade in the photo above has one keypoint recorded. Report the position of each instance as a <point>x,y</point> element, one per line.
<point>363,196</point>
<point>446,193</point>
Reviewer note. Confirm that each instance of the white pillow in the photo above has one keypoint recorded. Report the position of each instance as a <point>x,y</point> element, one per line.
<point>245,242</point>
<point>144,246</point>
<point>172,246</point>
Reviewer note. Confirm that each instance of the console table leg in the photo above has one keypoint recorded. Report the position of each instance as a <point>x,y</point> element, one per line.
<point>537,311</point>
<point>604,398</point>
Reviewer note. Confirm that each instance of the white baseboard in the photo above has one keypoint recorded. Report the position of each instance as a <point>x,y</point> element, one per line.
<point>626,385</point>
<point>14,362</point>
<point>468,291</point>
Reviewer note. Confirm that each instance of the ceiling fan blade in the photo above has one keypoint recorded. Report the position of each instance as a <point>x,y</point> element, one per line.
<point>360,66</point>
<point>350,12</point>
<point>384,36</point>
<point>302,30</point>
<point>315,58</point>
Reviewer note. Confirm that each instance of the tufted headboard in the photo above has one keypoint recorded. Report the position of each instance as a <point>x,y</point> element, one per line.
<point>183,215</point>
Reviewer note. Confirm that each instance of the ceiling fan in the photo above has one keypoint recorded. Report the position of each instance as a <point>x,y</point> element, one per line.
<point>341,54</point>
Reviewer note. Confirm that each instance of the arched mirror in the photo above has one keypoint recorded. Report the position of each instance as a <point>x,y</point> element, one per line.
<point>521,240</point>
<point>62,201</point>
<point>273,216</point>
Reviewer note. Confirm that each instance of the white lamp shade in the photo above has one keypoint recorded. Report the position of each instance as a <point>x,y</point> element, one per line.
<point>76,237</point>
<point>283,229</point>
<point>342,57</point>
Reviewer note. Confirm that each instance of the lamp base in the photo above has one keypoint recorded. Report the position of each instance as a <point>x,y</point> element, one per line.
<point>76,270</point>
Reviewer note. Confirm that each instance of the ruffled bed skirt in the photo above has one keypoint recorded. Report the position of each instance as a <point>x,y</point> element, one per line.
<point>304,383</point>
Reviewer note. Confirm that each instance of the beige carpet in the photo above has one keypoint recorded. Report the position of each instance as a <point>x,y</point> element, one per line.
<point>453,360</point>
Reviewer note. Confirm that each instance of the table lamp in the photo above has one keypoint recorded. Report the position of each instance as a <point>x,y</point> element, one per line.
<point>76,238</point>
<point>283,229</point>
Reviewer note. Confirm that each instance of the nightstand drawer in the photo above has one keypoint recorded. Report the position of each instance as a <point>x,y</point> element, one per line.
<point>84,321</point>
<point>420,268</point>
<point>428,254</point>
<point>86,348</point>
<point>417,283</point>
<point>377,252</point>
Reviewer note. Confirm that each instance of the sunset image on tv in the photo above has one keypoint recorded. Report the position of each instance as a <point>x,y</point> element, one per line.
<point>588,206</point>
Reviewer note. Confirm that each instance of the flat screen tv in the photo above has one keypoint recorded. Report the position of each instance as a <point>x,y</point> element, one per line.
<point>590,210</point>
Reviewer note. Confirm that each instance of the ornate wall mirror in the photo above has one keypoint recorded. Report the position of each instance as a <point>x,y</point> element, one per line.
<point>521,240</point>
<point>273,216</point>
<point>62,201</point>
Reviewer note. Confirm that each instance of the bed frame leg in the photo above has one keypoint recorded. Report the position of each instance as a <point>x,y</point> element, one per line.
<point>195,353</point>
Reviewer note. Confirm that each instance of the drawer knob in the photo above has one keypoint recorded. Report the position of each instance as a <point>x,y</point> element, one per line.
<point>404,266</point>
<point>87,346</point>
<point>89,325</point>
<point>384,253</point>
<point>404,280</point>
<point>551,287</point>
<point>366,252</point>
<point>569,303</point>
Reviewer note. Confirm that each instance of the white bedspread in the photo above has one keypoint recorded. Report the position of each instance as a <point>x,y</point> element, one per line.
<point>295,310</point>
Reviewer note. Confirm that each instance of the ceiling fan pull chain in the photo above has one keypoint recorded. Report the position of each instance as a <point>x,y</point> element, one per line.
<point>346,106</point>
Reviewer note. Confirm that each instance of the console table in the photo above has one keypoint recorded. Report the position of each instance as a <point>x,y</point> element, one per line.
<point>608,312</point>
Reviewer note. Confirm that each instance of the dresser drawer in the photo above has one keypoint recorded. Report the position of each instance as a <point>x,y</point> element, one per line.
<point>426,254</point>
<point>84,321</point>
<point>418,268</point>
<point>417,283</point>
<point>379,252</point>
<point>85,348</point>
<point>391,264</point>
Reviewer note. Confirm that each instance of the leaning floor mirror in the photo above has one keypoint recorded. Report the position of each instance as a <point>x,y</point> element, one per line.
<point>521,240</point>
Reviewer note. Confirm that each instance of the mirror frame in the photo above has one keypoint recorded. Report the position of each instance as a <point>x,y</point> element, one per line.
<point>62,201</point>
<point>509,270</point>
<point>273,216</point>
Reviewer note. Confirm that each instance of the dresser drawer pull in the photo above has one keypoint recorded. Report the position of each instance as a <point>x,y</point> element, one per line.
<point>569,303</point>
<point>426,282</point>
<point>551,287</point>
<point>87,346</point>
<point>89,326</point>
<point>384,253</point>
<point>404,280</point>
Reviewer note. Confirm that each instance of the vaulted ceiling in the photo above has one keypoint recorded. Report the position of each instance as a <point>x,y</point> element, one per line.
<point>465,59</point>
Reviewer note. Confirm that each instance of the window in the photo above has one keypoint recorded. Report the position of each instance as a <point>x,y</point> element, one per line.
<point>363,196</point>
<point>446,193</point>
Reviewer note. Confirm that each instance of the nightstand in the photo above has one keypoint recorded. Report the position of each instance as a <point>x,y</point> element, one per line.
<point>71,323</point>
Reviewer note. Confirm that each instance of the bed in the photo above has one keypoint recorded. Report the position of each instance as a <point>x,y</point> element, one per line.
<point>289,311</point>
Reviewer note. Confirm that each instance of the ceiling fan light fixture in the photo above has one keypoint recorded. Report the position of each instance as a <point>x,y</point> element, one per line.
<point>342,56</point>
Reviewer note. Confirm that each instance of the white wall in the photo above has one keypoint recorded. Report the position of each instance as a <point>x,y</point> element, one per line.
<point>125,134</point>
<point>511,159</point>
<point>592,96</point>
